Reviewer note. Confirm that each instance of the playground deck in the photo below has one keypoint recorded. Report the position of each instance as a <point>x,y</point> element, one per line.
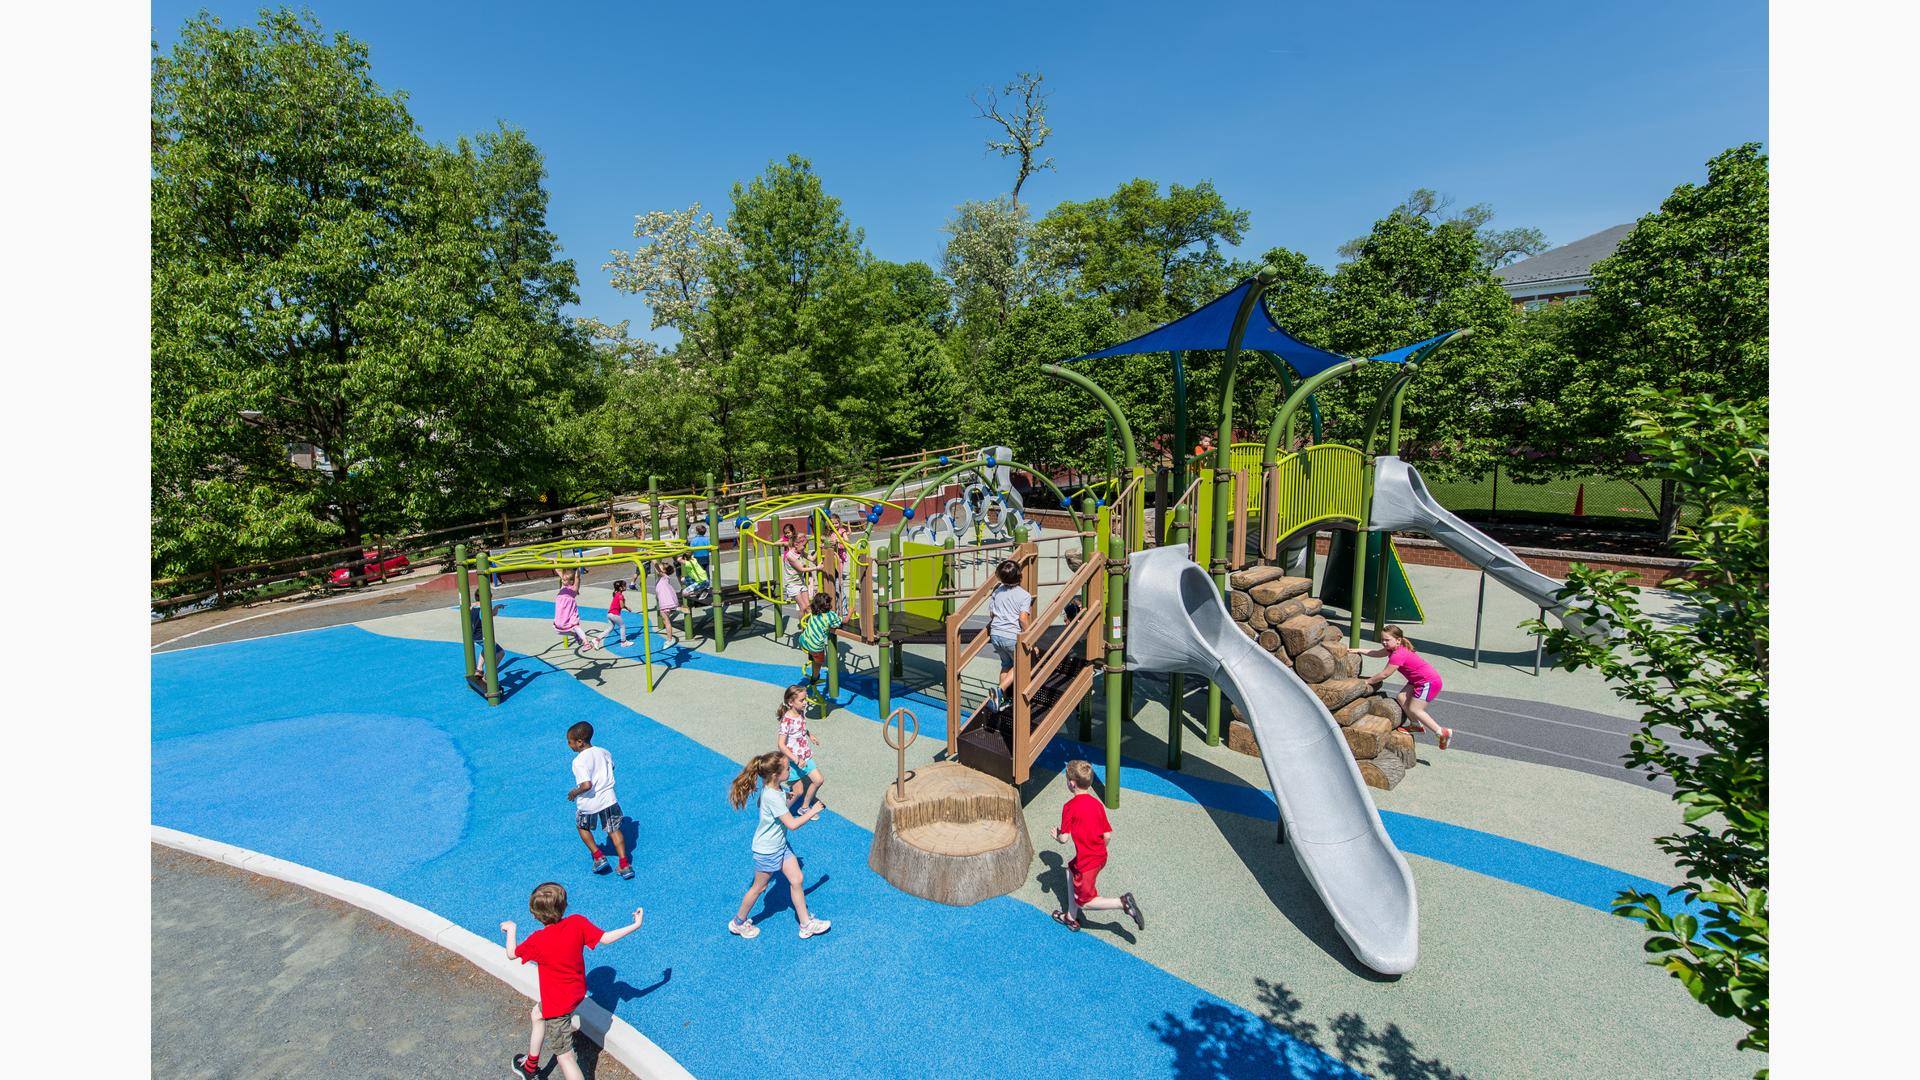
<point>388,771</point>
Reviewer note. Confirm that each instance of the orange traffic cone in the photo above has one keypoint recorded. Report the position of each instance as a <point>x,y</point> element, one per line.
<point>1580,502</point>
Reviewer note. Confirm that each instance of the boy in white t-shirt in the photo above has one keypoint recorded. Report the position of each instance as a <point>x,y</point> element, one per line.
<point>594,805</point>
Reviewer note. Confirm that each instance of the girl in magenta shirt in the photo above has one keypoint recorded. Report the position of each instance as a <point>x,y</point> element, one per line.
<point>1423,683</point>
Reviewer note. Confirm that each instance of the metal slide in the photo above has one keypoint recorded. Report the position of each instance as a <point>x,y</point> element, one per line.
<point>1177,622</point>
<point>1401,501</point>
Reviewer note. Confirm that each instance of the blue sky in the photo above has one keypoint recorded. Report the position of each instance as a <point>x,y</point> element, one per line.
<point>1316,118</point>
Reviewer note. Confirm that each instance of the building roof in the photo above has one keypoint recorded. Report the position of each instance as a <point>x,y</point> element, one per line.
<point>1573,260</point>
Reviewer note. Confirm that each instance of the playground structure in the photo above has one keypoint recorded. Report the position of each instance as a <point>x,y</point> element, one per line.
<point>910,564</point>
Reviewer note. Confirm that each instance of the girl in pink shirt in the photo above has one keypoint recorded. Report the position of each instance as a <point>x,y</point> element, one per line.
<point>666,594</point>
<point>1423,683</point>
<point>566,611</point>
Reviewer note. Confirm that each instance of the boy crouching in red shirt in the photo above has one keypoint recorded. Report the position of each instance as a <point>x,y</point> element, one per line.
<point>557,947</point>
<point>1084,819</point>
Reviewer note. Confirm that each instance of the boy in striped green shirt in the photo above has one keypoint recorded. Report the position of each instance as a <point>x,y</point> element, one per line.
<point>816,634</point>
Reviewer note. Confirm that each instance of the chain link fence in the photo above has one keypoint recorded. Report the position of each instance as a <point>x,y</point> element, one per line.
<point>1603,502</point>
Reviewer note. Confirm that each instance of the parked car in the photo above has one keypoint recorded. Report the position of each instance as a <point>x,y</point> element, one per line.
<point>371,567</point>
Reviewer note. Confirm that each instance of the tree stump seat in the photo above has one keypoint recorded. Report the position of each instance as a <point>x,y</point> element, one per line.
<point>957,837</point>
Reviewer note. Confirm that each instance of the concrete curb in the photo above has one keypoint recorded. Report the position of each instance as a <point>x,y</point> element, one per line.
<point>619,1038</point>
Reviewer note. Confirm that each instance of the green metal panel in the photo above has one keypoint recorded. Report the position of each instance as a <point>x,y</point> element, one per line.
<point>923,578</point>
<point>1403,605</point>
<point>1202,519</point>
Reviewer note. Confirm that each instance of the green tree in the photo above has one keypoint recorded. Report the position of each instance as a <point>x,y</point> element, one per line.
<point>1410,278</point>
<point>1498,247</point>
<point>1702,682</point>
<point>797,293</point>
<point>1152,257</point>
<point>680,268</point>
<point>653,418</point>
<point>1681,305</point>
<point>1017,405</point>
<point>324,279</point>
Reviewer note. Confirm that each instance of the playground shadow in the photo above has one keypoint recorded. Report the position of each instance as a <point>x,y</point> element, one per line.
<point>1056,880</point>
<point>1214,1040</point>
<point>1254,838</point>
<point>609,990</point>
<point>514,675</point>
<point>779,896</point>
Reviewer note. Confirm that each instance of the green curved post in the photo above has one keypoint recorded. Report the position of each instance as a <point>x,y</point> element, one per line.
<point>1176,682</point>
<point>1118,418</point>
<point>1283,420</point>
<point>1223,468</point>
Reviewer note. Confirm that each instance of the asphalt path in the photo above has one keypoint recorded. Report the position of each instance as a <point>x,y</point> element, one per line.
<point>254,977</point>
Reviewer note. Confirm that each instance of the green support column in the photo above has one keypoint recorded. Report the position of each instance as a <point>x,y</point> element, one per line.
<point>715,573</point>
<point>484,564</point>
<point>466,605</point>
<point>946,580</point>
<point>1177,682</point>
<point>882,626</point>
<point>1223,467</point>
<point>1179,422</point>
<point>1116,662</point>
<point>1357,594</point>
<point>1088,545</point>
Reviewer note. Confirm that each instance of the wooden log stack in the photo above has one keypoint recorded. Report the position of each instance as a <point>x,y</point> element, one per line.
<point>1276,612</point>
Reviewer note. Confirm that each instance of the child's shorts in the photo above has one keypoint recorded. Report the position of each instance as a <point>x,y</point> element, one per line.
<point>558,1038</point>
<point>589,820</point>
<point>772,862</point>
<point>1424,691</point>
<point>800,772</point>
<point>1005,647</point>
<point>1086,877</point>
<point>794,589</point>
<point>818,659</point>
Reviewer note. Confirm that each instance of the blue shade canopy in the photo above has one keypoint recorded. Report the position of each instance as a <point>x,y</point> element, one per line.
<point>1209,328</point>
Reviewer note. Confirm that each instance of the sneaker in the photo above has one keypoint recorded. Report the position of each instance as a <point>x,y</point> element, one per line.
<point>626,871</point>
<point>744,929</point>
<point>520,1067</point>
<point>600,864</point>
<point>1132,909</point>
<point>815,926</point>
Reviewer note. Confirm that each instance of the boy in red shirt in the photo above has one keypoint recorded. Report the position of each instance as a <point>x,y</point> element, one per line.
<point>557,947</point>
<point>1084,819</point>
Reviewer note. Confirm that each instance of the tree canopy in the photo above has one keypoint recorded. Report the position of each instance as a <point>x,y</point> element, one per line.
<point>330,289</point>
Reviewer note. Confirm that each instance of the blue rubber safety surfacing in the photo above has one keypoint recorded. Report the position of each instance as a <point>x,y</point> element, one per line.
<point>1555,873</point>
<point>362,755</point>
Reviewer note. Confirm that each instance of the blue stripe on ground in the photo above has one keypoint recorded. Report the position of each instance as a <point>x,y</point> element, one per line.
<point>360,754</point>
<point>1555,873</point>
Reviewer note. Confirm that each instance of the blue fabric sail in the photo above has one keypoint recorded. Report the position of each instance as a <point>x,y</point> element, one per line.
<point>1209,328</point>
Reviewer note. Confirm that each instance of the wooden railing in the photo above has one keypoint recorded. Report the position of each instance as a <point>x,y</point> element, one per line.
<point>1032,666</point>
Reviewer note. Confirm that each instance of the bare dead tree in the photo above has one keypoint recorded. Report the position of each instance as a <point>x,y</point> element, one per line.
<point>1025,123</point>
